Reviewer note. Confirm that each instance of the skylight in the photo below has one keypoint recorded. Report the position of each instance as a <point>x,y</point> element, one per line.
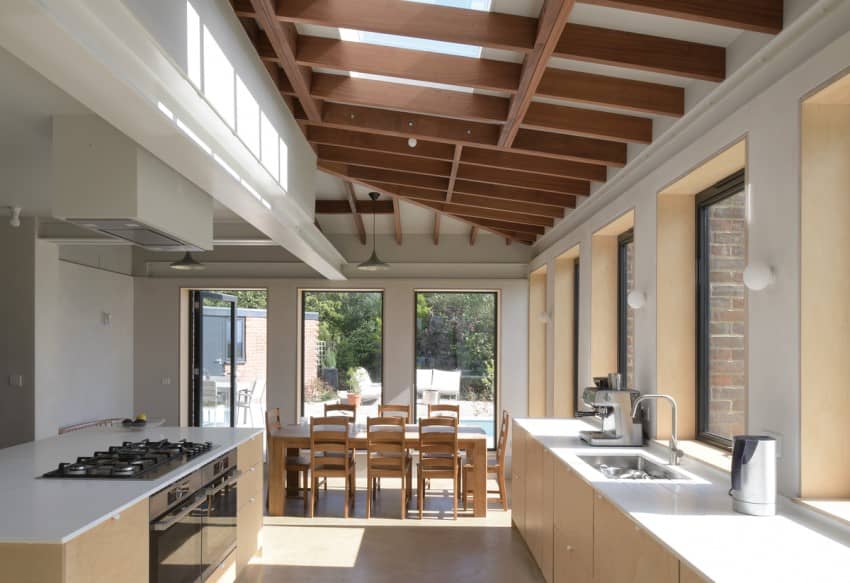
<point>420,44</point>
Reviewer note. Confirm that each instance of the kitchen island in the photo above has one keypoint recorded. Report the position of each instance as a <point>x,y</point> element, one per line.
<point>66,529</point>
<point>581,526</point>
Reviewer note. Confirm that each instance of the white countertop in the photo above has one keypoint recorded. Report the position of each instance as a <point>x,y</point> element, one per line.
<point>38,510</point>
<point>695,520</point>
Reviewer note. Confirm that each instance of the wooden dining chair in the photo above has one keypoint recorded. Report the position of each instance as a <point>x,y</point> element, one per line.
<point>439,456</point>
<point>495,465</point>
<point>401,411</point>
<point>341,409</point>
<point>298,463</point>
<point>331,457</point>
<point>387,457</point>
<point>444,410</point>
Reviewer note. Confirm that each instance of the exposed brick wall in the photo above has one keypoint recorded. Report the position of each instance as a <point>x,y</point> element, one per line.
<point>254,366</point>
<point>728,316</point>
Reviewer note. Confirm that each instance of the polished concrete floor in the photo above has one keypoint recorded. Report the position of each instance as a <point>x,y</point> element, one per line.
<point>387,549</point>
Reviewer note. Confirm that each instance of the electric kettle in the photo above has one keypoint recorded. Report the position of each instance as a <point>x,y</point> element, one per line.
<point>754,475</point>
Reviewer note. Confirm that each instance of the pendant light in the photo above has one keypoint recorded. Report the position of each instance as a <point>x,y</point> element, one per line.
<point>373,263</point>
<point>188,263</point>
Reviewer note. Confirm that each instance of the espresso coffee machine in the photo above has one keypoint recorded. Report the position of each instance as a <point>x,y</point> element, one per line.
<point>754,475</point>
<point>614,408</point>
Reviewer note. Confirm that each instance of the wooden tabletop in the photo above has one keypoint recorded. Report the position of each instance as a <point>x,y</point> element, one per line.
<point>358,431</point>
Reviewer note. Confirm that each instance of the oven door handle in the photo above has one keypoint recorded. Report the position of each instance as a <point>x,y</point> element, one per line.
<point>230,481</point>
<point>162,525</point>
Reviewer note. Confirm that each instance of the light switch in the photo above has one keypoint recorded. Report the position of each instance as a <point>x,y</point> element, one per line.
<point>166,380</point>
<point>16,380</point>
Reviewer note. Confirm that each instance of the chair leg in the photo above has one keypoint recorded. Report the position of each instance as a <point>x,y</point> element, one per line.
<point>464,480</point>
<point>346,500</point>
<point>313,495</point>
<point>420,493</point>
<point>369,494</point>
<point>306,493</point>
<point>454,494</point>
<point>503,490</point>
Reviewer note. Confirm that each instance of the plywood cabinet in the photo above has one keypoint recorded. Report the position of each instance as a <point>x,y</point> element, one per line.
<point>545,536</point>
<point>249,501</point>
<point>573,527</point>
<point>624,552</point>
<point>690,575</point>
<point>518,479</point>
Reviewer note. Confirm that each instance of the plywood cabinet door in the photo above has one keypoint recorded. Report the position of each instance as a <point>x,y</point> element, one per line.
<point>624,553</point>
<point>114,550</point>
<point>688,574</point>
<point>534,498</point>
<point>249,530</point>
<point>573,526</point>
<point>546,533</point>
<point>518,438</point>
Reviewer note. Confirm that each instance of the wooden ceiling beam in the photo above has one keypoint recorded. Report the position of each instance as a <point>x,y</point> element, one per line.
<point>642,51</point>
<point>519,179</point>
<point>518,194</point>
<point>755,15</point>
<point>458,25</point>
<point>536,164</point>
<point>504,220</point>
<point>500,224</point>
<point>612,92</point>
<point>449,190</point>
<point>408,125</point>
<point>574,148</point>
<point>282,37</point>
<point>342,207</point>
<point>409,98</point>
<point>384,160</point>
<point>501,202</point>
<point>342,55</point>
<point>363,173</point>
<point>473,234</point>
<point>351,198</point>
<point>553,18</point>
<point>588,122</point>
<point>365,141</point>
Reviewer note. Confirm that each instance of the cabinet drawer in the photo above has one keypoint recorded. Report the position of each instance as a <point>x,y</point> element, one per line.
<point>250,485</point>
<point>249,526</point>
<point>250,453</point>
<point>226,572</point>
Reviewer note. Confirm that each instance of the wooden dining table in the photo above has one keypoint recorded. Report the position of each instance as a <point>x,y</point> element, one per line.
<point>287,440</point>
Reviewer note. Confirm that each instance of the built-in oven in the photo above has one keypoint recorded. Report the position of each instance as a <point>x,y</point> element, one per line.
<point>193,523</point>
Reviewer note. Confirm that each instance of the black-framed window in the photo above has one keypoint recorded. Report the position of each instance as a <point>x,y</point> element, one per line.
<point>625,315</point>
<point>721,311</point>
<point>456,354</point>
<point>576,389</point>
<point>239,339</point>
<point>342,350</point>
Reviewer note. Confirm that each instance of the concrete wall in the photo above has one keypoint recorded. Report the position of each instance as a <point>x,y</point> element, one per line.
<point>769,116</point>
<point>157,338</point>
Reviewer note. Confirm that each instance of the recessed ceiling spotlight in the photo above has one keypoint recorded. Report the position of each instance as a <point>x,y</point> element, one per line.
<point>412,142</point>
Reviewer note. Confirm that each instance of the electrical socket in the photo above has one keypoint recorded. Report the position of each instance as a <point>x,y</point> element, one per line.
<point>16,380</point>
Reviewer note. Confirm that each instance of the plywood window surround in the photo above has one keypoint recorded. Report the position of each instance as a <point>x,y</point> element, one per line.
<point>565,321</point>
<point>537,319</point>
<point>825,281</point>
<point>604,304</point>
<point>676,308</point>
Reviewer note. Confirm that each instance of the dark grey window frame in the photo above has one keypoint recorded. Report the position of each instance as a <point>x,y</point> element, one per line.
<point>722,190</point>
<point>622,306</point>
<point>576,388</point>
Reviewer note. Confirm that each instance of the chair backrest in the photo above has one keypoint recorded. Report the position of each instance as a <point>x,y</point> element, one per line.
<point>385,435</point>
<point>329,435</point>
<point>438,443</point>
<point>342,409</point>
<point>502,446</point>
<point>424,377</point>
<point>400,411</point>
<point>444,410</point>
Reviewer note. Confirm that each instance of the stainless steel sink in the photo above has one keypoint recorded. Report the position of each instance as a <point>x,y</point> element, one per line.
<point>631,467</point>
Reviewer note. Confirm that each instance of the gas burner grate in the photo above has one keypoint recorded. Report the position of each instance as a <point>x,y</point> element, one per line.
<point>144,459</point>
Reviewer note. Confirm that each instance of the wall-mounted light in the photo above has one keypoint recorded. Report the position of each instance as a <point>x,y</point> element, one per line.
<point>105,318</point>
<point>412,142</point>
<point>758,276</point>
<point>636,299</point>
<point>14,216</point>
<point>544,318</point>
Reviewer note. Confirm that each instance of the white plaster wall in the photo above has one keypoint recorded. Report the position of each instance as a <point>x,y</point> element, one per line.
<point>157,340</point>
<point>771,122</point>
<point>84,367</point>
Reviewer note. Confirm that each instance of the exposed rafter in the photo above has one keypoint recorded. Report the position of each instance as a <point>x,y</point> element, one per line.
<point>352,206</point>
<point>282,38</point>
<point>473,234</point>
<point>756,15</point>
<point>553,18</point>
<point>449,190</point>
<point>397,220</point>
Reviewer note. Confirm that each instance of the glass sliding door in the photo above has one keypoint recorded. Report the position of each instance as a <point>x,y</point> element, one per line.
<point>213,352</point>
<point>342,351</point>
<point>456,359</point>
